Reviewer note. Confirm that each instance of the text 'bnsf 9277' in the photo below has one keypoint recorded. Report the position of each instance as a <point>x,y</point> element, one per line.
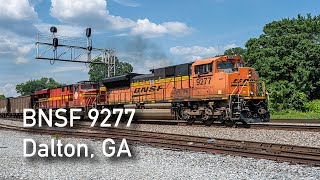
<point>208,90</point>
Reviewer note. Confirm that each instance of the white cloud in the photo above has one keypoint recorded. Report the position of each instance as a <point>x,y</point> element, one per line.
<point>195,58</point>
<point>67,68</point>
<point>8,90</point>
<point>17,16</point>
<point>17,10</point>
<point>16,25</point>
<point>200,50</point>
<point>94,13</point>
<point>127,3</point>
<point>15,47</point>
<point>25,49</point>
<point>65,30</point>
<point>20,60</point>
<point>149,29</point>
<point>87,13</point>
<point>229,46</point>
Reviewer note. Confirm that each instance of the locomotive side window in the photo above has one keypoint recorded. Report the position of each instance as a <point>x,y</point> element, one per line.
<point>76,88</point>
<point>240,65</point>
<point>203,69</point>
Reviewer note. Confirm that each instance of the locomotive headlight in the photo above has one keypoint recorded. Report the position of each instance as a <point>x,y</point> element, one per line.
<point>249,73</point>
<point>251,93</point>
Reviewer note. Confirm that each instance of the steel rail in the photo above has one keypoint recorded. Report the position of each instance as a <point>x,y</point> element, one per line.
<point>278,152</point>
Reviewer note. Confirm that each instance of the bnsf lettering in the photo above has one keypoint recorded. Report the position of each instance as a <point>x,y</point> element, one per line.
<point>148,89</point>
<point>239,82</point>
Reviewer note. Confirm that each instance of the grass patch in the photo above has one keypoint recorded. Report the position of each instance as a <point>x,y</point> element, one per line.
<point>291,114</point>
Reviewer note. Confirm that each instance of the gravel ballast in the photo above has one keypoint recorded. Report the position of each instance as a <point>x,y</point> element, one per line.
<point>297,138</point>
<point>146,163</point>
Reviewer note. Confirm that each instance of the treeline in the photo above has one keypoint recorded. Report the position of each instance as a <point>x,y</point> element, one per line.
<point>287,57</point>
<point>2,96</point>
<point>31,86</point>
<point>96,73</point>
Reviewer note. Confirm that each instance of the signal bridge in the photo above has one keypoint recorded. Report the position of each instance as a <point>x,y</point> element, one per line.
<point>54,47</point>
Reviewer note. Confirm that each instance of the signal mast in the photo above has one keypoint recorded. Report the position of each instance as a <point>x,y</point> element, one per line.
<point>61,48</point>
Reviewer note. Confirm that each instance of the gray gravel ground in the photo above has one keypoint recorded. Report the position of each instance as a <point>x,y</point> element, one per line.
<point>146,163</point>
<point>298,138</point>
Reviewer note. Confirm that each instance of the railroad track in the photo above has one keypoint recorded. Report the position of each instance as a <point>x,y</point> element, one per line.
<point>273,125</point>
<point>277,152</point>
<point>296,121</point>
<point>285,126</point>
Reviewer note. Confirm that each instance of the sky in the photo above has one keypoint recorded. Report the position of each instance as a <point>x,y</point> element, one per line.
<point>146,33</point>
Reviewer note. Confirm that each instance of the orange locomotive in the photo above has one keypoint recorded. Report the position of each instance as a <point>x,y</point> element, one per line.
<point>212,89</point>
<point>83,95</point>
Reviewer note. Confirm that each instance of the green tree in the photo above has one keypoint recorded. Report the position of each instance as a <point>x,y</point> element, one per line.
<point>287,57</point>
<point>31,86</point>
<point>2,96</point>
<point>235,51</point>
<point>97,71</point>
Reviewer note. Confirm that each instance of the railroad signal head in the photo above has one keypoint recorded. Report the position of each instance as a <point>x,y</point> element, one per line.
<point>55,42</point>
<point>53,29</point>
<point>88,32</point>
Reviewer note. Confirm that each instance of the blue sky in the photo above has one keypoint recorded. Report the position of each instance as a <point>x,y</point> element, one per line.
<point>146,33</point>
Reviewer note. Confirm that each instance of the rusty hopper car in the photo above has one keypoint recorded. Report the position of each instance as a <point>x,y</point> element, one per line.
<point>17,105</point>
<point>207,90</point>
<point>4,107</point>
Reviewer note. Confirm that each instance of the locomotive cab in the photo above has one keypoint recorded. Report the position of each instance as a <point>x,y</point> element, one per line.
<point>225,78</point>
<point>85,93</point>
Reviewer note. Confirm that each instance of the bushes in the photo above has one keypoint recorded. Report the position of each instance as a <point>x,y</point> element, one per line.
<point>313,106</point>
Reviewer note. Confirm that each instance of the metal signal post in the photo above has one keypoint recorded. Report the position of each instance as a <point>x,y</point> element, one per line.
<point>63,49</point>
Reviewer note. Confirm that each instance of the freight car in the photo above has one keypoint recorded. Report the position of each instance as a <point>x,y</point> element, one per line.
<point>4,107</point>
<point>213,89</point>
<point>13,106</point>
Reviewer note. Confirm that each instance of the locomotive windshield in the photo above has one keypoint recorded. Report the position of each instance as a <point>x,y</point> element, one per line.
<point>90,86</point>
<point>203,69</point>
<point>225,65</point>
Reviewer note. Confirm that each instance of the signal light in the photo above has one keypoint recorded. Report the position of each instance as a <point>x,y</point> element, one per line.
<point>88,32</point>
<point>53,29</point>
<point>55,42</point>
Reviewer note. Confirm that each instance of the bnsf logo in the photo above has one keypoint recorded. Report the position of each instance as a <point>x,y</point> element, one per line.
<point>148,89</point>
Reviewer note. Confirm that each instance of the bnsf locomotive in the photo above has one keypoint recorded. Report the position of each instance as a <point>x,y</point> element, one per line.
<point>213,89</point>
